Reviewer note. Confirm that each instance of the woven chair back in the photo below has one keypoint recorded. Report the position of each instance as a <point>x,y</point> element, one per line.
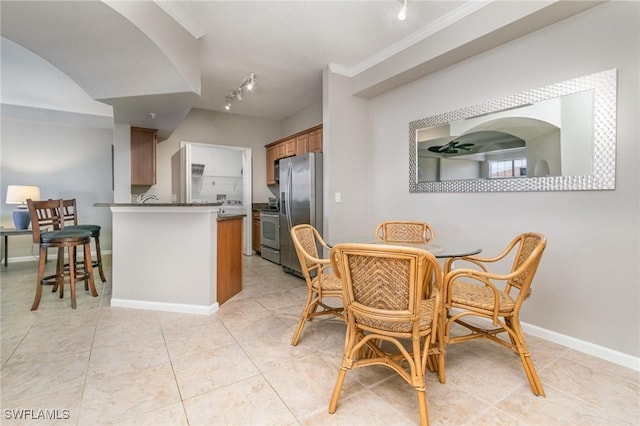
<point>530,247</point>
<point>384,284</point>
<point>304,238</point>
<point>405,231</point>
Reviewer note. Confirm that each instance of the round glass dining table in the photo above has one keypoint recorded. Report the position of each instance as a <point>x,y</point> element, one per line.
<point>440,248</point>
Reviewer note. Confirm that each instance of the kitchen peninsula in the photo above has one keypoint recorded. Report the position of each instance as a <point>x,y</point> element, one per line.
<point>174,257</point>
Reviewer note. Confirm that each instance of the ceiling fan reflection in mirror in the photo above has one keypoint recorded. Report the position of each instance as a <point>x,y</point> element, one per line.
<point>451,148</point>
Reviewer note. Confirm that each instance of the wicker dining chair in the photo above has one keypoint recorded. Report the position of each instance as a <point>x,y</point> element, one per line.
<point>321,281</point>
<point>388,321</point>
<point>476,292</point>
<point>405,231</point>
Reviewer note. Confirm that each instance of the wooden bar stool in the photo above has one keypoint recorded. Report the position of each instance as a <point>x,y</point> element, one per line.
<point>69,215</point>
<point>47,213</point>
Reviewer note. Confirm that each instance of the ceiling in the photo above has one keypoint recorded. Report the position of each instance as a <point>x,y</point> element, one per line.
<point>214,45</point>
<point>287,44</point>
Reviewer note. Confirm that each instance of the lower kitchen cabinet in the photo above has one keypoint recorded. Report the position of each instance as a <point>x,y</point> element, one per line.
<point>229,271</point>
<point>255,231</point>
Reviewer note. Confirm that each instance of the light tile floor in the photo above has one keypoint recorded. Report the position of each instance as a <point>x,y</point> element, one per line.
<point>99,365</point>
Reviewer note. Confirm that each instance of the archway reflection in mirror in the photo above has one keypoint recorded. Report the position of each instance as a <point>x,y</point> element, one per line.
<point>550,138</point>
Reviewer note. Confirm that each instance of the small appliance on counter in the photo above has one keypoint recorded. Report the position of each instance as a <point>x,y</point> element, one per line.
<point>273,204</point>
<point>231,208</point>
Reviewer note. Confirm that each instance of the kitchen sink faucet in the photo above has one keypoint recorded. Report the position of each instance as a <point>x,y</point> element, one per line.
<point>143,198</point>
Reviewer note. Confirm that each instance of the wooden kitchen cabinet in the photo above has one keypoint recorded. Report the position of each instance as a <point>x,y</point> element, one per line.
<point>315,141</point>
<point>255,231</point>
<point>289,148</point>
<point>309,140</point>
<point>271,165</point>
<point>229,265</point>
<point>302,144</point>
<point>143,156</point>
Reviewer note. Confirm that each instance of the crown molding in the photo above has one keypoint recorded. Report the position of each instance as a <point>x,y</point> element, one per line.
<point>425,32</point>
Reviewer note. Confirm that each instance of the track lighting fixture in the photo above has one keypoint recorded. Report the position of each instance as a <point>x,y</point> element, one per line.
<point>402,15</point>
<point>252,82</point>
<point>248,84</point>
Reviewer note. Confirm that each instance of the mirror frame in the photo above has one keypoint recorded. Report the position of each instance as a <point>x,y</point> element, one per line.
<point>603,177</point>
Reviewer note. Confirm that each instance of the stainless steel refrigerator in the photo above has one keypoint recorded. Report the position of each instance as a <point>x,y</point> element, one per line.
<point>300,202</point>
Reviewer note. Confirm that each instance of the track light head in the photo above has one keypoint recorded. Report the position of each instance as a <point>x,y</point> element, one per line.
<point>402,15</point>
<point>247,84</point>
<point>251,82</point>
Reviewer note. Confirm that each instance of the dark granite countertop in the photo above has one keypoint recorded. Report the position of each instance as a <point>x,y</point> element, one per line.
<point>157,205</point>
<point>231,217</point>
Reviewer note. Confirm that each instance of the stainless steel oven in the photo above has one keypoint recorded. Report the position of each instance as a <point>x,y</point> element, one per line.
<point>270,236</point>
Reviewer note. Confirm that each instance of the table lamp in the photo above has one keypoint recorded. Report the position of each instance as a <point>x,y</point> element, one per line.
<point>19,194</point>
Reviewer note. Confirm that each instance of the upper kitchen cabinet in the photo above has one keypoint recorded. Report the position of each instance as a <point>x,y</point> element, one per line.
<point>143,156</point>
<point>315,140</point>
<point>271,164</point>
<point>302,144</point>
<point>309,140</point>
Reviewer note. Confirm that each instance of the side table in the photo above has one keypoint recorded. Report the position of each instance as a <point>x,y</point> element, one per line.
<point>6,233</point>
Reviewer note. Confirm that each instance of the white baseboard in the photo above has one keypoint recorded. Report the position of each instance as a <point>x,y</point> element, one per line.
<point>167,307</point>
<point>589,348</point>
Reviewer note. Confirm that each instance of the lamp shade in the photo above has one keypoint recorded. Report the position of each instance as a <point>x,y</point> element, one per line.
<point>19,194</point>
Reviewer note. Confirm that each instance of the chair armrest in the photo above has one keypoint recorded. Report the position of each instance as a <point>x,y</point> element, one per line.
<point>475,278</point>
<point>378,236</point>
<point>324,244</point>
<point>478,260</point>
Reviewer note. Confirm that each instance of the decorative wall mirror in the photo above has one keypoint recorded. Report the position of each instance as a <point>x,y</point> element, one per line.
<point>560,137</point>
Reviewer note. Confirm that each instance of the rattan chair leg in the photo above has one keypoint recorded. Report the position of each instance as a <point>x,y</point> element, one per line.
<point>442,377</point>
<point>422,407</point>
<point>333,404</point>
<point>532,375</point>
<point>304,316</point>
<point>525,356</point>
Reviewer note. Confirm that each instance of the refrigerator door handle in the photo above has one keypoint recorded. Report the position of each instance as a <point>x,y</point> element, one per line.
<point>289,193</point>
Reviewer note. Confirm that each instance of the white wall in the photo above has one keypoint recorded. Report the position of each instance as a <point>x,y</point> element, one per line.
<point>588,283</point>
<point>65,162</point>
<point>302,120</point>
<point>54,136</point>
<point>346,140</point>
